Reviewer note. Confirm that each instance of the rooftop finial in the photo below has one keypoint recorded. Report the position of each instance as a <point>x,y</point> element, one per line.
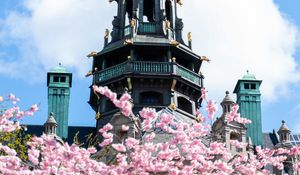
<point>227,92</point>
<point>59,64</point>
<point>247,71</point>
<point>283,122</point>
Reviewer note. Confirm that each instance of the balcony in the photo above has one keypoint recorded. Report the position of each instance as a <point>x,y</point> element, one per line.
<point>146,67</point>
<point>147,27</point>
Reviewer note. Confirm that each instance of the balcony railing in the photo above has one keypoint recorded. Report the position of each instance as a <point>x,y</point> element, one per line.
<point>148,27</point>
<point>146,67</point>
<point>151,67</point>
<point>187,74</point>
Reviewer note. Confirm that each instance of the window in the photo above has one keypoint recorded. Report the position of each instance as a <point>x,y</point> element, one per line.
<point>62,92</point>
<point>185,105</point>
<point>149,10</point>
<point>247,98</point>
<point>63,79</point>
<point>253,86</point>
<point>54,91</point>
<point>246,86</point>
<point>151,98</point>
<point>55,79</point>
<point>168,6</point>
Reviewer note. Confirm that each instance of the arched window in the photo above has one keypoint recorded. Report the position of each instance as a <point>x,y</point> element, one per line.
<point>185,105</point>
<point>151,98</point>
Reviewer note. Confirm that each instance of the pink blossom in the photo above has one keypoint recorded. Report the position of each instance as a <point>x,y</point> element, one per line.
<point>211,109</point>
<point>203,93</point>
<point>106,128</point>
<point>125,128</point>
<point>119,147</point>
<point>34,108</point>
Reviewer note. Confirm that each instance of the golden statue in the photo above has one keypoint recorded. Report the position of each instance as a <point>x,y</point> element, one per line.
<point>106,33</point>
<point>168,24</point>
<point>189,35</point>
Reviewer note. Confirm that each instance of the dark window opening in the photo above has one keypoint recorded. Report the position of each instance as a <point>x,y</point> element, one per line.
<point>63,79</point>
<point>55,79</point>
<point>129,8</point>
<point>253,86</point>
<point>185,105</point>
<point>168,10</point>
<point>109,106</point>
<point>234,136</point>
<point>246,86</point>
<point>149,10</point>
<point>151,98</point>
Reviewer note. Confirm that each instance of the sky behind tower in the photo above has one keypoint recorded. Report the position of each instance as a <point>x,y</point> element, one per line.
<point>261,36</point>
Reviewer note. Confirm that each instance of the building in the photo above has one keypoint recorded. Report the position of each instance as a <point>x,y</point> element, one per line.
<point>147,56</point>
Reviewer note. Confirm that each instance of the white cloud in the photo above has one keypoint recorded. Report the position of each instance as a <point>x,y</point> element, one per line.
<point>238,35</point>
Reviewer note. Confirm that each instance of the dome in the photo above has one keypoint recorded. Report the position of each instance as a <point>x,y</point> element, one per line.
<point>51,119</point>
<point>227,98</point>
<point>249,76</point>
<point>59,69</point>
<point>283,127</point>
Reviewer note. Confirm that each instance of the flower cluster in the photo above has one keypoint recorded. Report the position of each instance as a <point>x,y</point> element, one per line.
<point>182,150</point>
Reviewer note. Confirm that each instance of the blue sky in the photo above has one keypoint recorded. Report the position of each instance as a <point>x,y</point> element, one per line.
<point>262,36</point>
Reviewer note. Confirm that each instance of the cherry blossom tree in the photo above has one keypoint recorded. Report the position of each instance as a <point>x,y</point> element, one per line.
<point>185,152</point>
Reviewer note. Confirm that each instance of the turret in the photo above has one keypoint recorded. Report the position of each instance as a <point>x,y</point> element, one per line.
<point>59,82</point>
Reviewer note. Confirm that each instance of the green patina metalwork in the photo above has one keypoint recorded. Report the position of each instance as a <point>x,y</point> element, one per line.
<point>151,67</point>
<point>149,27</point>
<point>147,67</point>
<point>127,30</point>
<point>59,82</point>
<point>112,72</point>
<point>249,100</point>
<point>189,75</point>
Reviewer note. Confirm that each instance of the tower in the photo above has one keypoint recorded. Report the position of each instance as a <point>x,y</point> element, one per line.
<point>59,82</point>
<point>147,55</point>
<point>249,100</point>
<point>224,131</point>
<point>50,125</point>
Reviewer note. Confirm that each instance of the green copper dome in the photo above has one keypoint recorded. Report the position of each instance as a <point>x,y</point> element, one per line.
<point>59,69</point>
<point>248,76</point>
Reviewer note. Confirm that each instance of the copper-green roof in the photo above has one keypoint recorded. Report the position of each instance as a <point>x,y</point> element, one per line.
<point>248,76</point>
<point>59,69</point>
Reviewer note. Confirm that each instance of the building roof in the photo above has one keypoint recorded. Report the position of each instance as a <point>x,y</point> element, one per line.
<point>59,69</point>
<point>51,119</point>
<point>248,76</point>
<point>283,127</point>
<point>227,98</point>
<point>82,131</point>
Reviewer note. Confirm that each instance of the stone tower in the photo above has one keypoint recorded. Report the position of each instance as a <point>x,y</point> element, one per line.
<point>147,55</point>
<point>249,100</point>
<point>50,125</point>
<point>59,82</point>
<point>224,131</point>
